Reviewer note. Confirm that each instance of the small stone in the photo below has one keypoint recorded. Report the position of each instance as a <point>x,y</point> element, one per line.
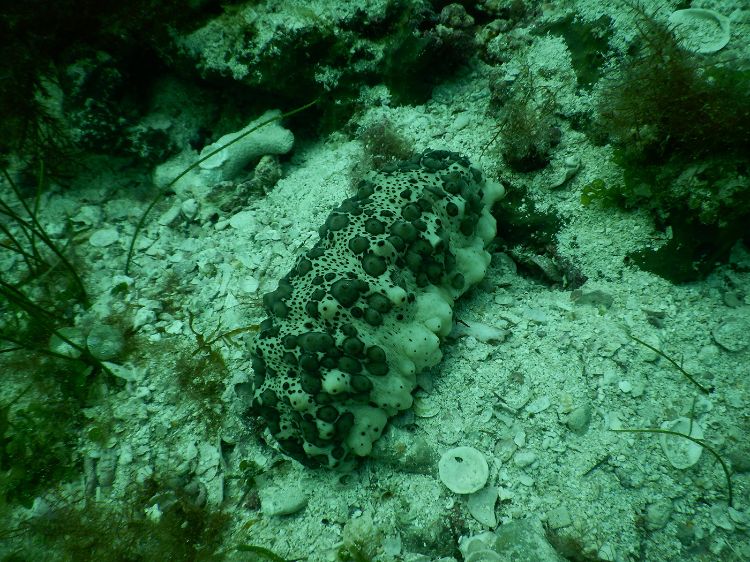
<point>594,298</point>
<point>425,407</point>
<point>637,390</point>
<point>733,299</point>
<point>142,317</point>
<point>733,335</point>
<point>463,470</point>
<point>153,513</point>
<point>720,517</point>
<point>244,220</point>
<point>579,419</point>
<point>282,501</point>
<point>559,517</point>
<point>524,541</point>
<point>607,553</point>
<point>169,216</point>
<point>570,168</point>
<point>174,328</point>
<point>479,547</point>
<point>105,342</point>
<point>657,514</point>
<point>524,458</point>
<point>104,237</point>
<point>526,479</point>
<point>738,516</point>
<point>461,122</point>
<point>189,208</point>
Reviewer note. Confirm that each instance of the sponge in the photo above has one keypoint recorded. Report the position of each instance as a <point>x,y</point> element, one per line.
<point>365,309</point>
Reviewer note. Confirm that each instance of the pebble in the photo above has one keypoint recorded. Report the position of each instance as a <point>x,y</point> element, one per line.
<point>478,548</point>
<point>105,342</point>
<point>593,298</point>
<point>169,216</point>
<point>189,208</point>
<point>578,420</point>
<point>461,122</point>
<point>524,458</point>
<point>570,168</point>
<point>142,317</point>
<point>720,517</point>
<point>559,517</point>
<point>88,215</point>
<point>426,407</point>
<point>526,480</point>
<point>123,372</point>
<point>174,327</point>
<point>104,237</point>
<point>657,514</point>
<point>244,220</point>
<point>282,501</point>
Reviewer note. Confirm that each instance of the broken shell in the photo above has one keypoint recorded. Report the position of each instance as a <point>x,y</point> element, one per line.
<point>425,407</point>
<point>481,506</point>
<point>58,343</point>
<point>732,334</point>
<point>699,30</point>
<point>463,470</point>
<point>681,452</point>
<point>570,168</point>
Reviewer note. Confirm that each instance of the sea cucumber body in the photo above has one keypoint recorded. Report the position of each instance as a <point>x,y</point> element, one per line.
<point>365,309</point>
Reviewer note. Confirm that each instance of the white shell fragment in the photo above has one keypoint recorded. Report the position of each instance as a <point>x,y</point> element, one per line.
<point>539,405</point>
<point>463,470</point>
<point>700,31</point>
<point>681,452</point>
<point>124,372</point>
<point>570,168</point>
<point>478,548</point>
<point>481,506</point>
<point>479,331</point>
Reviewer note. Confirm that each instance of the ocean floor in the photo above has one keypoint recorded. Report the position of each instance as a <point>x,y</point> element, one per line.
<point>556,354</point>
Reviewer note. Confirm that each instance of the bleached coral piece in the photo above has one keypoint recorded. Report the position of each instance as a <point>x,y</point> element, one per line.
<point>268,138</point>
